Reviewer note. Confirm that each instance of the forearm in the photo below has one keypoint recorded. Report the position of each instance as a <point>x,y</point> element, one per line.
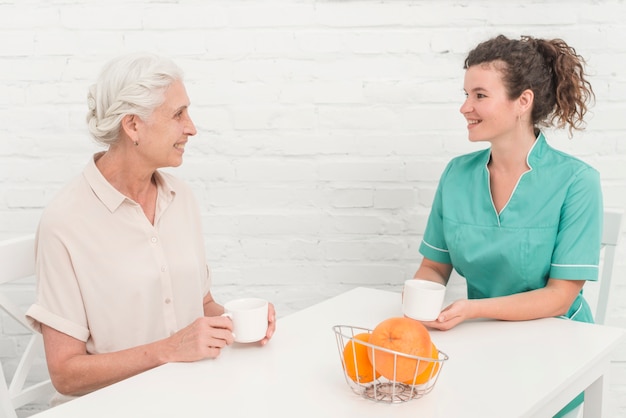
<point>74,371</point>
<point>211,307</point>
<point>84,373</point>
<point>433,271</point>
<point>553,300</point>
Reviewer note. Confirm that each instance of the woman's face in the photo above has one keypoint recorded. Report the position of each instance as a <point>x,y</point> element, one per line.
<point>163,136</point>
<point>488,111</point>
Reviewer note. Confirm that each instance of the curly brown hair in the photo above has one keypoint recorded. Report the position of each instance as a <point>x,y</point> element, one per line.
<point>550,68</point>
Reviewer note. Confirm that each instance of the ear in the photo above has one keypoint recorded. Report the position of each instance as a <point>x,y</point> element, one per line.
<point>526,100</point>
<point>129,126</point>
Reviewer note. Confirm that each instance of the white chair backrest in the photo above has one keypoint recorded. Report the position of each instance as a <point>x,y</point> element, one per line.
<point>610,238</point>
<point>17,261</point>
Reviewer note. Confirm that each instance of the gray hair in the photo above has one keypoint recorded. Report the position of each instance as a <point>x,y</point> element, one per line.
<point>128,85</point>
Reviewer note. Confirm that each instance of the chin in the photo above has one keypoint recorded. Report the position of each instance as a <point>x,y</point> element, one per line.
<point>175,162</point>
<point>476,138</point>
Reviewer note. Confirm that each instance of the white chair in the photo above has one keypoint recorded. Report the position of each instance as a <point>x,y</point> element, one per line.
<point>17,261</point>
<point>610,238</point>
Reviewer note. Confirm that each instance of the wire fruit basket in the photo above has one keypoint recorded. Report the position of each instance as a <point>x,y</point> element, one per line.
<point>379,388</point>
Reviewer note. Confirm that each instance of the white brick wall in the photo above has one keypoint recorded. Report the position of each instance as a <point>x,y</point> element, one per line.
<point>323,125</point>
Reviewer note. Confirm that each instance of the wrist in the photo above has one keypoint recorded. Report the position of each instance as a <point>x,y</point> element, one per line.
<point>473,308</point>
<point>213,308</point>
<point>162,352</point>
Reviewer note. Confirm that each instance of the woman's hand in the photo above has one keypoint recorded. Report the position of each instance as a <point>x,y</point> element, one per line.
<point>554,299</point>
<point>451,316</point>
<point>203,338</point>
<point>271,323</point>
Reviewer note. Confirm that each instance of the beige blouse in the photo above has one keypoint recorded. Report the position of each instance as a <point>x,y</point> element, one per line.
<point>107,276</point>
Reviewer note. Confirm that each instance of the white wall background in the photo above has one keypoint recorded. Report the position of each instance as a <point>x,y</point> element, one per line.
<point>323,125</point>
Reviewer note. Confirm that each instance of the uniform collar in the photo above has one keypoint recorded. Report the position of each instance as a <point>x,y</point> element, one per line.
<point>535,154</point>
<point>109,195</point>
<point>537,151</point>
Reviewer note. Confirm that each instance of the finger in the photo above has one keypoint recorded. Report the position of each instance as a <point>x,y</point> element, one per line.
<point>216,343</point>
<point>271,321</point>
<point>449,315</point>
<point>212,352</point>
<point>431,324</point>
<point>222,322</point>
<point>435,325</point>
<point>270,331</point>
<point>271,313</point>
<point>268,335</point>
<point>220,338</point>
<point>271,324</point>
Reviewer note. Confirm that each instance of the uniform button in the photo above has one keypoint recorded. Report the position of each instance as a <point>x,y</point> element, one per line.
<point>154,240</point>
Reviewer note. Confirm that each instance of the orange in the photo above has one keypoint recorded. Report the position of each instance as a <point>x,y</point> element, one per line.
<point>402,335</point>
<point>356,360</point>
<point>429,372</point>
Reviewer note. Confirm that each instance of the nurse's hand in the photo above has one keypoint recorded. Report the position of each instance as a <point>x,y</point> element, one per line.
<point>451,316</point>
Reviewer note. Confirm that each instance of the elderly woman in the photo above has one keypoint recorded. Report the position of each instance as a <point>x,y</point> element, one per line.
<point>123,283</point>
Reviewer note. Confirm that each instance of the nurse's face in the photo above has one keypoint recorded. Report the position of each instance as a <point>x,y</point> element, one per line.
<point>490,114</point>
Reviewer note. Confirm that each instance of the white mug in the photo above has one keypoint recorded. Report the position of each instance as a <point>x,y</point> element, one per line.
<point>249,316</point>
<point>422,299</point>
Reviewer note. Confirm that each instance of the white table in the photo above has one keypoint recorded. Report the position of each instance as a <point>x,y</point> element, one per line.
<point>496,369</point>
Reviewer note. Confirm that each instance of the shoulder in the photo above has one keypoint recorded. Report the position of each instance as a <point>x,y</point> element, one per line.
<point>569,165</point>
<point>66,201</point>
<point>556,171</point>
<point>573,170</point>
<point>468,162</point>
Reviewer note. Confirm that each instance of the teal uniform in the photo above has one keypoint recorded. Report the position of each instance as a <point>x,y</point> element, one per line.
<point>550,228</point>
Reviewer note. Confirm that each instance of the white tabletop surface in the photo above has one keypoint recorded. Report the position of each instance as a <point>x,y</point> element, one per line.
<point>495,369</point>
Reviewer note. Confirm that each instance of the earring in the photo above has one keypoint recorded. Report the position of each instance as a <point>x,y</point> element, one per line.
<point>136,143</point>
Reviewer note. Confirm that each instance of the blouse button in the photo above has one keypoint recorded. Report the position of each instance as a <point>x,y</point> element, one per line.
<point>154,240</point>
<point>168,300</point>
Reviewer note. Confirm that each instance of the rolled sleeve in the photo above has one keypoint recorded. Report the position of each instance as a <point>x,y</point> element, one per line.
<point>434,246</point>
<point>38,315</point>
<point>59,302</point>
<point>431,252</point>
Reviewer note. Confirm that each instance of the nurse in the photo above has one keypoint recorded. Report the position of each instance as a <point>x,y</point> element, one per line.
<point>521,221</point>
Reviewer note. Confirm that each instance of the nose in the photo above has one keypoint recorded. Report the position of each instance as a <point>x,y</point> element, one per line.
<point>190,127</point>
<point>465,107</point>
